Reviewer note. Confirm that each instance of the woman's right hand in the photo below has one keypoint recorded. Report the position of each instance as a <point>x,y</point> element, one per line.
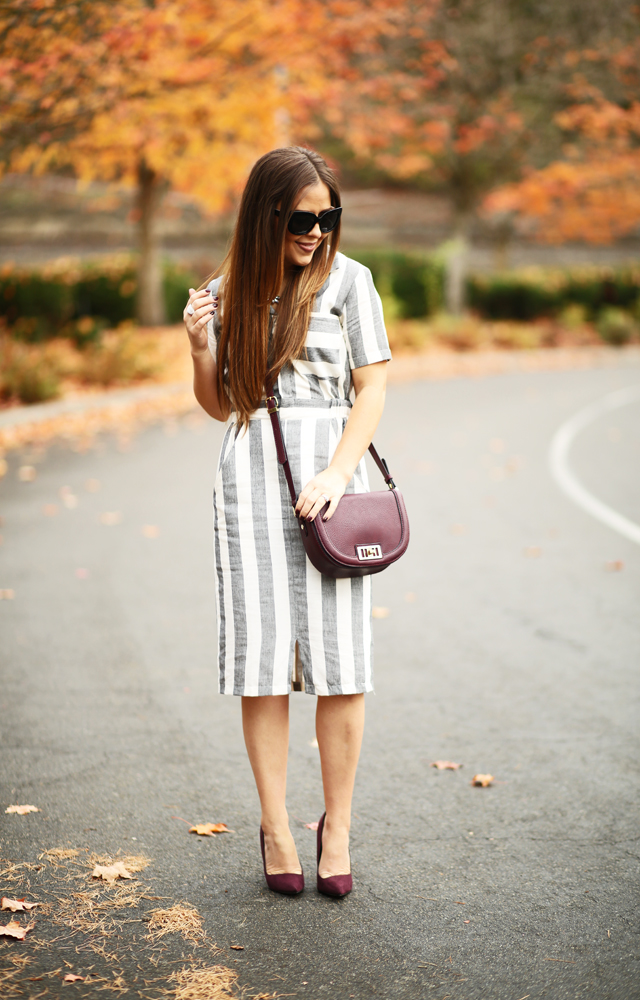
<point>204,305</point>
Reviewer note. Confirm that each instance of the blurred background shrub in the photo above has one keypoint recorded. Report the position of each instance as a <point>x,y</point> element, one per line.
<point>414,281</point>
<point>27,374</point>
<point>79,301</point>
<point>535,293</point>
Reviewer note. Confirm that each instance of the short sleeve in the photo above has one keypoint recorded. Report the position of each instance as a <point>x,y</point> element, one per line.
<point>363,321</point>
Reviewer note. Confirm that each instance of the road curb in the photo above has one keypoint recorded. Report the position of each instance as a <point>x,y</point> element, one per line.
<point>79,419</point>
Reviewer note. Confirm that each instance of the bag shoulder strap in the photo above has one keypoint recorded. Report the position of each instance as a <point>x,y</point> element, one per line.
<point>273,405</point>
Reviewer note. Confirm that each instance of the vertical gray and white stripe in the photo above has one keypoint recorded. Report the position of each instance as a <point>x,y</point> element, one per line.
<point>269,596</point>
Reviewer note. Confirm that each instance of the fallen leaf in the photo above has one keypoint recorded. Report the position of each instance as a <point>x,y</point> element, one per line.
<point>13,929</point>
<point>50,509</point>
<point>7,594</point>
<point>237,947</point>
<point>466,921</point>
<point>532,551</point>
<point>150,530</point>
<point>445,765</point>
<point>22,810</point>
<point>457,529</point>
<point>410,597</point>
<point>111,872</point>
<point>380,612</point>
<point>27,473</point>
<point>71,978</point>
<point>312,826</point>
<point>111,517</point>
<point>16,905</point>
<point>209,829</point>
<point>482,780</point>
<point>614,566</point>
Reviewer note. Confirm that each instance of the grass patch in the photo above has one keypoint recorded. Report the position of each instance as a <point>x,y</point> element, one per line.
<point>471,333</point>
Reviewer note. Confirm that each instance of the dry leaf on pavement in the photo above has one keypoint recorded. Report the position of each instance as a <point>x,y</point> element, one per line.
<point>22,810</point>
<point>210,829</point>
<point>111,872</point>
<point>72,978</point>
<point>111,517</point>
<point>312,826</point>
<point>16,905</point>
<point>13,929</point>
<point>614,566</point>
<point>482,780</point>
<point>445,765</point>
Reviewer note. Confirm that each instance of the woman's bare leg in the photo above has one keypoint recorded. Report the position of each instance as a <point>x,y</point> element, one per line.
<point>265,722</point>
<point>339,728</point>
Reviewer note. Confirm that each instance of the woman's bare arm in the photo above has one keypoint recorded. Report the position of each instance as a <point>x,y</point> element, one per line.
<point>370,383</point>
<point>204,365</point>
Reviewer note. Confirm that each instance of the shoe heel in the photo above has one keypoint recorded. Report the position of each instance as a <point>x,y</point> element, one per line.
<point>288,883</point>
<point>334,885</point>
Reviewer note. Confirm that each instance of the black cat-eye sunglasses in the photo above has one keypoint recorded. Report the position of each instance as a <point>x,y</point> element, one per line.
<point>301,223</point>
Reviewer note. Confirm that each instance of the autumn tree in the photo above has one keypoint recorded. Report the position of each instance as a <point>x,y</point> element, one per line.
<point>592,191</point>
<point>178,93</point>
<point>460,95</point>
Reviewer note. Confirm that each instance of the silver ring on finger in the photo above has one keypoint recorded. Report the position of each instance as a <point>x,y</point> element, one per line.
<point>190,310</point>
<point>325,498</point>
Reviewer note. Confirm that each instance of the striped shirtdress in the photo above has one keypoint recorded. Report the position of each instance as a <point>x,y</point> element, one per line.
<point>279,618</point>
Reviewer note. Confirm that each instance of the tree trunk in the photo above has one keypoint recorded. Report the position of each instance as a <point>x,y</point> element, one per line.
<point>150,307</point>
<point>456,268</point>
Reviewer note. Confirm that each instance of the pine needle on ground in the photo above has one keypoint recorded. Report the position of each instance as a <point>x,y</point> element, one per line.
<point>56,854</point>
<point>179,919</point>
<point>213,982</point>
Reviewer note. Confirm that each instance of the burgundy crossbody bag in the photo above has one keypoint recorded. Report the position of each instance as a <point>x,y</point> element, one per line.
<point>367,531</point>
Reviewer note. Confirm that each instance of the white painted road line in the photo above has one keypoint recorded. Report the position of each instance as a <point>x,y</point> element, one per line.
<point>564,477</point>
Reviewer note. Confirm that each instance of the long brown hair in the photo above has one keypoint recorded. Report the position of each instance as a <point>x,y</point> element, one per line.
<point>254,274</point>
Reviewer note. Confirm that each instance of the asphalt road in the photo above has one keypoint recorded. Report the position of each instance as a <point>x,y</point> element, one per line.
<point>511,646</point>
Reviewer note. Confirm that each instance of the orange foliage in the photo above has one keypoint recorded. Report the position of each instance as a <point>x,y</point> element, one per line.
<point>593,193</point>
<point>195,89</point>
<point>407,95</point>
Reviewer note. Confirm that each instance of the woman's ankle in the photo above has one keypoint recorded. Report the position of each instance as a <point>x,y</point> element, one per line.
<point>275,826</point>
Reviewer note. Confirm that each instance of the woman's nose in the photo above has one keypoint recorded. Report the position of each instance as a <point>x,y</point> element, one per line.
<point>315,232</point>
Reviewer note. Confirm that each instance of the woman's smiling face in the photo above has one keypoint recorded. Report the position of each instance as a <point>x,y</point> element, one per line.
<point>298,250</point>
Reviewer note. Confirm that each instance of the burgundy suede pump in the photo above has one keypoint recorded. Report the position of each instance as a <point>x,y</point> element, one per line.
<point>288,883</point>
<point>334,885</point>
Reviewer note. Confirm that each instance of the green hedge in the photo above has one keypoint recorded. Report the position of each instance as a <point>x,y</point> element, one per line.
<point>416,281</point>
<point>79,300</point>
<point>61,298</point>
<point>533,293</point>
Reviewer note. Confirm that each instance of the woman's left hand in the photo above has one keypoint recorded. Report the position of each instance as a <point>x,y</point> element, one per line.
<point>328,485</point>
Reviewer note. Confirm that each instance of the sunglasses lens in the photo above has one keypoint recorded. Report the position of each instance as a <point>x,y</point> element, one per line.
<point>329,220</point>
<point>301,223</point>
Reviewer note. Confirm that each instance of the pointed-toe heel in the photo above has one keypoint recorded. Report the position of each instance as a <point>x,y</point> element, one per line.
<point>288,883</point>
<point>334,885</point>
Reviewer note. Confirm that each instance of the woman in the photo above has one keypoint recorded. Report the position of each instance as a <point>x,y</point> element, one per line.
<point>291,311</point>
